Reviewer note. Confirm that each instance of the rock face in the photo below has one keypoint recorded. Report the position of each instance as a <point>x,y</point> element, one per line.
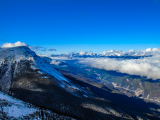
<point>28,77</point>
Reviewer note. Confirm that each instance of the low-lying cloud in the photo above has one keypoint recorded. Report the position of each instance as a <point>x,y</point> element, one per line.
<point>55,62</point>
<point>148,66</point>
<point>52,49</point>
<point>18,43</point>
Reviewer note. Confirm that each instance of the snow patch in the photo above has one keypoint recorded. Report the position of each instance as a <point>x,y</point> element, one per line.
<point>85,95</point>
<point>40,72</point>
<point>18,111</point>
<point>15,108</point>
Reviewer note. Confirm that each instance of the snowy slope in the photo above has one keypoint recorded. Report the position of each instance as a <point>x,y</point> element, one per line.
<point>14,56</point>
<point>12,108</point>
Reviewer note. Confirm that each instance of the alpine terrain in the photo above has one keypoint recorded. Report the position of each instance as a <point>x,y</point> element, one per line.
<point>32,88</point>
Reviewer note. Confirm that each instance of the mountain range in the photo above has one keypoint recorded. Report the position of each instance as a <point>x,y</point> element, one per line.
<point>113,53</point>
<point>48,91</point>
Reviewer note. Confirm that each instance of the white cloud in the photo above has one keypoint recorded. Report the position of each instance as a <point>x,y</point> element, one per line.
<point>55,62</point>
<point>148,50</point>
<point>18,43</point>
<point>83,53</point>
<point>148,66</point>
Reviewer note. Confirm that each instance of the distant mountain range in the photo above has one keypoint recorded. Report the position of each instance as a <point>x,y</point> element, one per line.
<point>113,53</point>
<point>49,92</point>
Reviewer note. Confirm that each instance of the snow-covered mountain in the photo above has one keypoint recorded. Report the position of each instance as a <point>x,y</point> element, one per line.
<point>147,52</point>
<point>11,58</point>
<point>32,79</point>
<point>114,53</point>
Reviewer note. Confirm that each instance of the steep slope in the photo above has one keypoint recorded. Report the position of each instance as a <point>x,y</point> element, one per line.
<point>28,77</point>
<point>15,60</point>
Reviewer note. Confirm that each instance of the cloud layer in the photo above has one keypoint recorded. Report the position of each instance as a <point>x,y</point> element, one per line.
<point>18,43</point>
<point>148,66</point>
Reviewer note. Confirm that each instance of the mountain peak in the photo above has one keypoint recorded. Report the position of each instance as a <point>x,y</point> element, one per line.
<point>19,59</point>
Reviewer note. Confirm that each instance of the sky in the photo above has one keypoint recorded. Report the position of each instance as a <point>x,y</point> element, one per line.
<point>81,25</point>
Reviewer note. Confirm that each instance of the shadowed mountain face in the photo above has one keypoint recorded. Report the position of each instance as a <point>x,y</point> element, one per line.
<point>30,78</point>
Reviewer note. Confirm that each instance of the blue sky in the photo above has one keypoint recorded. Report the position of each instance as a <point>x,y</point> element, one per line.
<point>87,25</point>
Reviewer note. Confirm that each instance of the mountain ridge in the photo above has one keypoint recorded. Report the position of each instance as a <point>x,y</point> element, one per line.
<point>112,54</point>
<point>31,79</point>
